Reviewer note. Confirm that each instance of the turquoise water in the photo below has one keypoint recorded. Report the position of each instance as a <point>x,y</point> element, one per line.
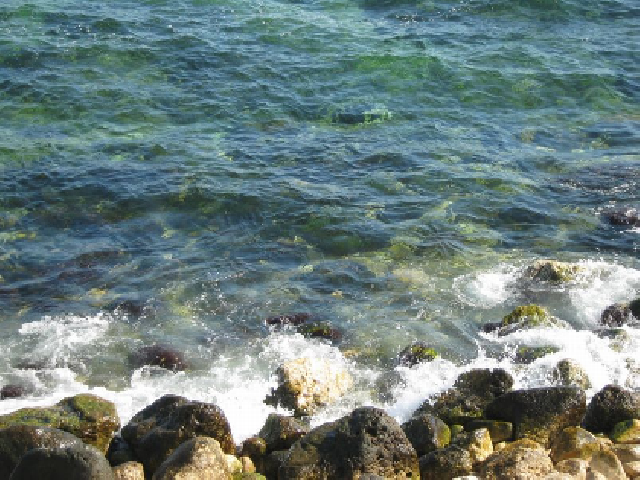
<point>386,166</point>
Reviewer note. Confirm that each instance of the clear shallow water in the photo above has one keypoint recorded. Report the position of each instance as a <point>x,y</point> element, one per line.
<point>389,167</point>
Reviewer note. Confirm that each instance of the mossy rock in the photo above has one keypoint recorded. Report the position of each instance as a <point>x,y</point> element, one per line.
<point>416,353</point>
<point>573,442</point>
<point>92,419</point>
<point>552,271</point>
<point>320,330</point>
<point>526,354</point>
<point>526,317</point>
<point>627,431</point>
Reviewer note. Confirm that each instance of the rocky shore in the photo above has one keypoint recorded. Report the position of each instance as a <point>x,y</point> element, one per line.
<point>480,428</point>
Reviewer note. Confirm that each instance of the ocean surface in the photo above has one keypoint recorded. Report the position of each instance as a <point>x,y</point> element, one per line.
<point>388,167</point>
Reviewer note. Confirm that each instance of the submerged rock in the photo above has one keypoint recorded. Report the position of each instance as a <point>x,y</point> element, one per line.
<point>417,352</point>
<point>157,430</point>
<point>320,330</point>
<point>293,319</point>
<point>159,356</point>
<point>552,271</point>
<point>305,384</point>
<point>91,418</point>
<point>609,406</point>
<point>367,441</point>
<point>622,217</point>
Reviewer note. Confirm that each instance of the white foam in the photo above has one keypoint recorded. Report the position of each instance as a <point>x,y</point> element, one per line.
<point>486,289</point>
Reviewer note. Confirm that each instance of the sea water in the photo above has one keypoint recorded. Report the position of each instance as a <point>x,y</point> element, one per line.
<point>388,167</point>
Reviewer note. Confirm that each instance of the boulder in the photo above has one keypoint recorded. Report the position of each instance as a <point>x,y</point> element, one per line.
<point>499,431</point>
<point>92,419</point>
<point>198,457</point>
<point>539,413</point>
<point>478,443</point>
<point>526,317</point>
<point>606,464</point>
<point>17,440</point>
<point>128,471</point>
<point>280,432</point>
<point>520,460</point>
<point>446,464</point>
<point>368,441</point>
<point>569,373</point>
<point>159,356</point>
<point>471,393</point>
<point>305,384</point>
<point>75,462</point>
<point>627,431</point>
<point>157,430</point>
<point>573,442</point>
<point>426,433</point>
<point>11,391</point>
<point>609,406</point>
<point>552,271</point>
<point>417,352</point>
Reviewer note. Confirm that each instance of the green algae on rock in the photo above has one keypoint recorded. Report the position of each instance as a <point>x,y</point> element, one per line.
<point>552,271</point>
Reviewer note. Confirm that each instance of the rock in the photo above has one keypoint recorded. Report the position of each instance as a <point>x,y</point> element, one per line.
<point>552,271</point>
<point>272,463</point>
<point>569,373</point>
<point>576,467</point>
<point>446,464</point>
<point>573,442</point>
<point>254,447</point>
<point>478,443</point>
<point>11,391</point>
<point>280,432</point>
<point>75,462</point>
<point>616,315</point>
<point>627,452</point>
<point>247,465</point>
<point>320,330</point>
<point>527,317</point>
<point>539,413</point>
<point>471,393</point>
<point>128,471</point>
<point>17,440</point>
<point>157,430</point>
<point>634,306</point>
<point>387,383</point>
<point>158,356</point>
<point>526,354</point>
<point>622,217</point>
<point>119,451</point>
<point>607,464</point>
<point>426,433</point>
<point>632,469</point>
<point>199,457</point>
<point>609,406</point>
<point>499,431</point>
<point>92,419</point>
<point>520,460</point>
<point>627,431</point>
<point>416,353</point>
<point>366,441</point>
<point>305,384</point>
<point>294,319</point>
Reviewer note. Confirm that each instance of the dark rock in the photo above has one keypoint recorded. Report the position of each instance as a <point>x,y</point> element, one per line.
<point>11,391</point>
<point>491,327</point>
<point>272,463</point>
<point>609,406</point>
<point>616,315</point>
<point>119,452</point>
<point>426,433</point>
<point>634,306</point>
<point>539,413</point>
<point>471,393</point>
<point>77,462</point>
<point>17,440</point>
<point>159,356</point>
<point>93,419</point>
<point>445,464</point>
<point>294,319</point>
<point>280,432</point>
<point>320,330</point>
<point>622,217</point>
<point>157,430</point>
<point>416,353</point>
<point>254,447</point>
<point>133,308</point>
<point>366,441</point>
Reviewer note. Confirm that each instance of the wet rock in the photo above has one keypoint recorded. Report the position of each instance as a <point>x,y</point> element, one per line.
<point>92,419</point>
<point>552,271</point>
<point>131,308</point>
<point>526,317</point>
<point>416,353</point>
<point>159,356</point>
<point>526,354</point>
<point>573,442</point>
<point>520,460</point>
<point>499,431</point>
<point>368,441</point>
<point>624,217</point>
<point>119,451</point>
<point>471,393</point>
<point>539,413</point>
<point>446,464</point>
<point>320,330</point>
<point>128,471</point>
<point>199,457</point>
<point>293,319</point>
<point>305,384</point>
<point>157,430</point>
<point>387,383</point>
<point>606,464</point>
<point>568,373</point>
<point>627,431</point>
<point>616,315</point>
<point>426,433</point>
<point>609,406</point>
<point>280,432</point>
<point>11,391</point>
<point>16,440</point>
<point>255,448</point>
<point>75,462</point>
